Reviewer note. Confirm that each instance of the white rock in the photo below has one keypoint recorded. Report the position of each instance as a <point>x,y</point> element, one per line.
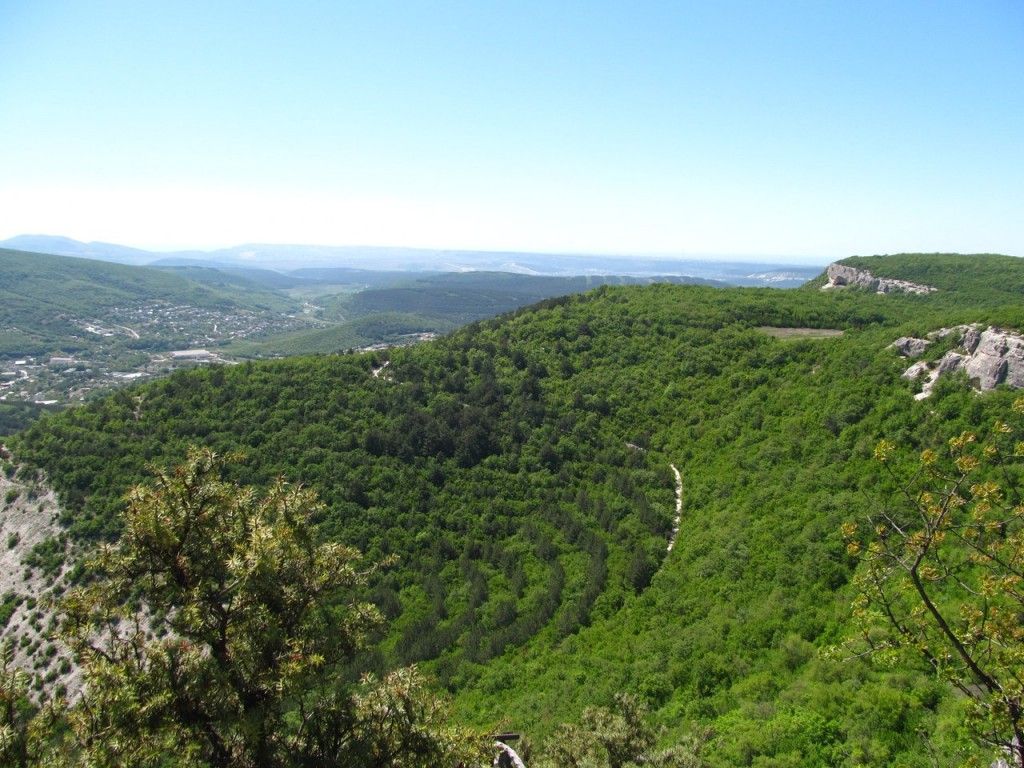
<point>915,370</point>
<point>997,359</point>
<point>842,276</point>
<point>908,346</point>
<point>990,357</point>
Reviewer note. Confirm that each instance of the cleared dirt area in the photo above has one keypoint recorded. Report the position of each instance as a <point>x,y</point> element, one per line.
<point>800,333</point>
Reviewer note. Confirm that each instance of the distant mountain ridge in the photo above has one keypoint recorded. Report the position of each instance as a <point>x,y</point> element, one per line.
<point>65,246</point>
<point>289,257</point>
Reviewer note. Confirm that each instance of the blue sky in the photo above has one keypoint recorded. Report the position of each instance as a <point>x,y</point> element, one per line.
<point>810,130</point>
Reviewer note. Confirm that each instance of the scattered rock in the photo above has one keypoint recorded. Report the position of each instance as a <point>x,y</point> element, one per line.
<point>29,518</point>
<point>842,276</point>
<point>942,333</point>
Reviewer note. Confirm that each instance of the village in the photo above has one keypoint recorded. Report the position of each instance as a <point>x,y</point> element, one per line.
<point>130,343</point>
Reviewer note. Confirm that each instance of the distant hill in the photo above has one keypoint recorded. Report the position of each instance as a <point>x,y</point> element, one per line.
<point>40,293</point>
<point>65,246</point>
<point>364,278</point>
<point>393,307</point>
<point>286,258</point>
<point>235,278</point>
<point>986,278</point>
<point>71,326</point>
<point>467,296</point>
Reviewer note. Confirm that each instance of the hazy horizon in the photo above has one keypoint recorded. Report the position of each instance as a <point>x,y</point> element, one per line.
<point>750,258</point>
<point>661,129</point>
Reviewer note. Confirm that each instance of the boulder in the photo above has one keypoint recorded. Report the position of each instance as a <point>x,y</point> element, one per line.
<point>951,361</point>
<point>970,340</point>
<point>998,358</point>
<point>908,346</point>
<point>918,368</point>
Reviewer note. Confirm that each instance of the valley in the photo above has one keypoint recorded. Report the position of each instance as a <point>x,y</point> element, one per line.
<point>523,477</point>
<point>511,385</point>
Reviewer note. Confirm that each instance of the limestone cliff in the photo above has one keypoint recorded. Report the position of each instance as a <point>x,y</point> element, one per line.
<point>842,276</point>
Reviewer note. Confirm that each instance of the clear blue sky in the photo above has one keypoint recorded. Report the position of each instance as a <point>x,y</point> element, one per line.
<point>805,129</point>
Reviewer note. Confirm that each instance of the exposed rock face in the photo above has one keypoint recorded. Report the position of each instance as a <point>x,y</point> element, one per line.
<point>990,357</point>
<point>951,361</point>
<point>997,359</point>
<point>908,346</point>
<point>971,338</point>
<point>842,276</point>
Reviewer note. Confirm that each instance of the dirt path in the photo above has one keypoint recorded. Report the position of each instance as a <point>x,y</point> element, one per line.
<point>679,508</point>
<point>377,371</point>
<point>133,333</point>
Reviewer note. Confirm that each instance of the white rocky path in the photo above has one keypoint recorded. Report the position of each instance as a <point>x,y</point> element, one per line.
<point>679,508</point>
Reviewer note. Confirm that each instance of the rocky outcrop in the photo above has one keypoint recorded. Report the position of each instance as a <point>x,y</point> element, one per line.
<point>997,359</point>
<point>842,276</point>
<point>989,357</point>
<point>34,562</point>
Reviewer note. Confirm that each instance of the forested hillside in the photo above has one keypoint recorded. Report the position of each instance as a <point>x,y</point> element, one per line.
<point>73,328</point>
<point>367,308</point>
<point>521,471</point>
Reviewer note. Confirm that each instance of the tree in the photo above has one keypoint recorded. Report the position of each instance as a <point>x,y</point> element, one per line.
<point>27,733</point>
<point>942,574</point>
<point>616,738</point>
<point>215,632</point>
<point>14,710</point>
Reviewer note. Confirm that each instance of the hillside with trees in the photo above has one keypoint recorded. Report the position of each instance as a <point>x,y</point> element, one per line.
<point>516,478</point>
<point>72,328</point>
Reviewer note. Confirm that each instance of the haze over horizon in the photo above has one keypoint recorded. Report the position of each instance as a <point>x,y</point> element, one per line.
<point>779,132</point>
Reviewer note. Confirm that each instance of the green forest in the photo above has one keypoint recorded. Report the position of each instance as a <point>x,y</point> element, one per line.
<point>516,478</point>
